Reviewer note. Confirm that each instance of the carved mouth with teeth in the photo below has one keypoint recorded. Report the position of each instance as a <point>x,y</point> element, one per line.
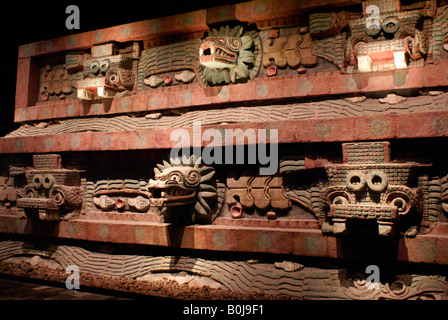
<point>171,195</point>
<point>216,56</point>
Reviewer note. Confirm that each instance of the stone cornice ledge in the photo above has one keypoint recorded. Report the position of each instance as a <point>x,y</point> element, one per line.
<point>379,127</point>
<point>430,248</point>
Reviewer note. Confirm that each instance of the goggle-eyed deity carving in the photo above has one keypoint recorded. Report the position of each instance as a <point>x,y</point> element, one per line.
<point>107,74</point>
<point>368,187</point>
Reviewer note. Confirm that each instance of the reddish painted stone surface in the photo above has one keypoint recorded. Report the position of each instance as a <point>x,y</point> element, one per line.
<point>423,124</point>
<point>303,242</point>
<point>193,95</point>
<point>272,234</point>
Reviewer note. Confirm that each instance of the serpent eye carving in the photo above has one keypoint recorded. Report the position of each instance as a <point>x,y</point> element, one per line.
<point>175,176</point>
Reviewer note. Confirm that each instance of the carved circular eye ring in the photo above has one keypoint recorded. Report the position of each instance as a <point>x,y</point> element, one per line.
<point>338,197</point>
<point>94,67</point>
<point>37,181</point>
<point>104,65</point>
<point>373,30</point>
<point>222,40</point>
<point>113,76</point>
<point>391,25</point>
<point>47,181</point>
<point>355,181</point>
<point>30,192</point>
<point>176,176</point>
<point>399,200</point>
<point>58,197</point>
<point>377,181</point>
<point>400,203</point>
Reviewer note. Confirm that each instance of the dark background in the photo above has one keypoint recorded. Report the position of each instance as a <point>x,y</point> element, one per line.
<point>24,22</point>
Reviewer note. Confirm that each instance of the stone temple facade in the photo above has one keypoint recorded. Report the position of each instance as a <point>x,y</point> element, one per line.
<point>285,148</point>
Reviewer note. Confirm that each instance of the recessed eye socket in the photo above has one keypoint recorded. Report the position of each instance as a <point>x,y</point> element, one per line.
<point>399,203</point>
<point>113,77</point>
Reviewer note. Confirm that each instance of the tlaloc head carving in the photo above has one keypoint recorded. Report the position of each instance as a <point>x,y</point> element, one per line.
<point>185,189</point>
<point>229,55</point>
<point>107,74</point>
<point>51,191</point>
<point>369,187</point>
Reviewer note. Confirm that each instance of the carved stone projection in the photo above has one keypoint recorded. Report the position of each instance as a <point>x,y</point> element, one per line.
<point>59,74</point>
<point>55,82</point>
<point>444,194</point>
<point>181,58</point>
<point>291,52</point>
<point>263,193</point>
<point>224,56</point>
<point>230,55</point>
<point>183,191</point>
<point>369,187</point>
<point>437,198</point>
<point>386,36</point>
<point>273,277</point>
<point>121,195</point>
<point>11,186</point>
<point>324,109</point>
<point>51,191</point>
<point>8,193</point>
<point>110,101</point>
<point>108,74</point>
<point>186,191</point>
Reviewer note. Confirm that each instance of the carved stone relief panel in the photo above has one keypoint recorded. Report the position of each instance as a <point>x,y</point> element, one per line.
<point>290,51</point>
<point>293,278</point>
<point>223,56</point>
<point>108,74</point>
<point>183,191</point>
<point>108,70</point>
<point>55,82</point>
<point>385,36</point>
<point>369,187</point>
<point>263,193</point>
<point>51,191</point>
